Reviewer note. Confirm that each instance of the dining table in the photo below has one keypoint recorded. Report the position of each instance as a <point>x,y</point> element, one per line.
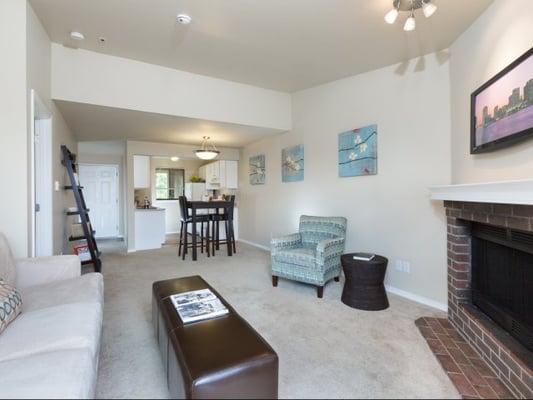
<point>216,205</point>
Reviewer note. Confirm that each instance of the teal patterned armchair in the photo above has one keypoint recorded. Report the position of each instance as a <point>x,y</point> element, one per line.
<point>313,254</point>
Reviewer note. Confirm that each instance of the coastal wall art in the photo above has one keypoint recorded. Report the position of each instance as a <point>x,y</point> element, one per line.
<point>502,109</point>
<point>358,152</point>
<point>257,170</point>
<point>292,164</point>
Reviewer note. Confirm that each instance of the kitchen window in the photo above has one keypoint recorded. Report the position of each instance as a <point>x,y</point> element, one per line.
<point>169,183</point>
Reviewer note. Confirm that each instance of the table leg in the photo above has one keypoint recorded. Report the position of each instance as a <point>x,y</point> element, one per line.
<point>194,234</point>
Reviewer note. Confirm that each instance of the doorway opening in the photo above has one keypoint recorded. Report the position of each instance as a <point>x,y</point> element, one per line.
<point>42,181</point>
<point>101,189</point>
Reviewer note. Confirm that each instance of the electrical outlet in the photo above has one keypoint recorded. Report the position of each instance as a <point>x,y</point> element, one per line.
<point>398,265</point>
<point>407,267</point>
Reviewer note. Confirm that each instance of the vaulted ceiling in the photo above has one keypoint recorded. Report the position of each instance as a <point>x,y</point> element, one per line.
<point>286,45</point>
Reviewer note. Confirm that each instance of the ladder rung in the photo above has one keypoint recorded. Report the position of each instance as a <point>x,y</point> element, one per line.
<point>70,187</point>
<point>76,238</point>
<point>78,212</point>
<point>91,261</point>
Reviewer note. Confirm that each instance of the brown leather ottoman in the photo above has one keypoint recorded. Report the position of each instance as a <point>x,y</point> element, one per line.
<point>218,358</point>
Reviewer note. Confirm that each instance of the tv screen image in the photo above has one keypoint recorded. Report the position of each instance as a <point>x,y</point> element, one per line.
<point>502,109</point>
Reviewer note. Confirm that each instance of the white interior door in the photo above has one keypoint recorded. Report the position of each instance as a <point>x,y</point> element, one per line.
<point>100,188</point>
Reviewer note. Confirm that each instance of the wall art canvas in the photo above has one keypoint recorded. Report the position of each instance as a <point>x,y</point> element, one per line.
<point>358,152</point>
<point>292,164</point>
<point>257,170</point>
<point>502,109</point>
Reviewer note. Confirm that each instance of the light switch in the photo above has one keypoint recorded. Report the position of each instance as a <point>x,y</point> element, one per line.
<point>56,186</point>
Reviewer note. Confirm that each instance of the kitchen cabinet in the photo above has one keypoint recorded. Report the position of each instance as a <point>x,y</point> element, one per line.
<point>149,228</point>
<point>141,172</point>
<point>213,176</point>
<point>220,174</point>
<point>232,175</point>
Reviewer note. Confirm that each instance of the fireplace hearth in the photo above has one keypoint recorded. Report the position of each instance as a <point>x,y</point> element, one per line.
<point>490,284</point>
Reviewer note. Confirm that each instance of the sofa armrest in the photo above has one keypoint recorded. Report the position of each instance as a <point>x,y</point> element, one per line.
<point>328,249</point>
<point>41,270</point>
<point>286,242</point>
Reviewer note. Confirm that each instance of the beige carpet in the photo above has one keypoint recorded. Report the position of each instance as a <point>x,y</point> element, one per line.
<point>326,349</point>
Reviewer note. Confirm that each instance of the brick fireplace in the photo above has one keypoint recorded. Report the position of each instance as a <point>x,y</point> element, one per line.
<point>510,359</point>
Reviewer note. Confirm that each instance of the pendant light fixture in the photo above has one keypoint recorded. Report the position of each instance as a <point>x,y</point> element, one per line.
<point>428,8</point>
<point>208,150</point>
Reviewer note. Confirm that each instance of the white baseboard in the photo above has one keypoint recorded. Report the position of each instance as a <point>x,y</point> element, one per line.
<point>417,298</point>
<point>259,246</point>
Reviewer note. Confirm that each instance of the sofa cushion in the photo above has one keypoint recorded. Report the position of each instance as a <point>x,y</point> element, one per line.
<point>84,289</point>
<point>8,270</point>
<point>303,256</point>
<point>67,374</point>
<point>10,304</point>
<point>69,326</point>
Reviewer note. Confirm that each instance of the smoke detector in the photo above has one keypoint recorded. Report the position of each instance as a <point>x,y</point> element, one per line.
<point>77,35</point>
<point>184,19</point>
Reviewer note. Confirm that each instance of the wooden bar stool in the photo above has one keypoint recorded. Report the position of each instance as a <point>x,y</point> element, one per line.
<point>185,220</point>
<point>227,218</point>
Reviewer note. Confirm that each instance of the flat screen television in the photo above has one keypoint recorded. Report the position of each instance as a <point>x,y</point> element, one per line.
<point>502,109</point>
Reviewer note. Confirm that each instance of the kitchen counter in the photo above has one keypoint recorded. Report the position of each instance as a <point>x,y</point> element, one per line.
<point>149,228</point>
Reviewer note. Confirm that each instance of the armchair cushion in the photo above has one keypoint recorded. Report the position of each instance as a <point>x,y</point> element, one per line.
<point>300,256</point>
<point>42,270</point>
<point>7,263</point>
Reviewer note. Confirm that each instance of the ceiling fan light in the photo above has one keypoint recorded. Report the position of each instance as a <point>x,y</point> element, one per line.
<point>410,24</point>
<point>428,9</point>
<point>391,16</point>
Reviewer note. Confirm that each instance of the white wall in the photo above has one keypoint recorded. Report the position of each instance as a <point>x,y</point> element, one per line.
<point>14,178</point>
<point>389,213</point>
<point>87,77</point>
<point>499,36</point>
<point>39,79</point>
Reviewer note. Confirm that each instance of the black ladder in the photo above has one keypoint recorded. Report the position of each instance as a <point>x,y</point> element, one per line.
<point>69,161</point>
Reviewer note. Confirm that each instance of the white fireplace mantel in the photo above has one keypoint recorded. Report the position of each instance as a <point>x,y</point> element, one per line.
<point>508,192</point>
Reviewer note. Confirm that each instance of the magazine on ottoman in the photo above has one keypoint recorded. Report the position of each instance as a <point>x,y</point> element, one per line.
<point>198,305</point>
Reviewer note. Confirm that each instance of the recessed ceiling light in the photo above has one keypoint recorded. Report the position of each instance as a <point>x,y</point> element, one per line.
<point>184,19</point>
<point>174,158</point>
<point>77,35</point>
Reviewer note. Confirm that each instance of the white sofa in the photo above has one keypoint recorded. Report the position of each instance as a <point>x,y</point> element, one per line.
<point>51,349</point>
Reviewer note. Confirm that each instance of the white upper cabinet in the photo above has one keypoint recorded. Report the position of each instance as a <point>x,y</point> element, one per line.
<point>232,175</point>
<point>141,172</point>
<point>220,174</point>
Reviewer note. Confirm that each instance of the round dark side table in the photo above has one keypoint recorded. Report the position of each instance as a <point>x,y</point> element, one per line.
<point>364,287</point>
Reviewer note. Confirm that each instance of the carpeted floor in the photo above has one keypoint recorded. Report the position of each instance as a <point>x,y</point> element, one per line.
<point>326,349</point>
